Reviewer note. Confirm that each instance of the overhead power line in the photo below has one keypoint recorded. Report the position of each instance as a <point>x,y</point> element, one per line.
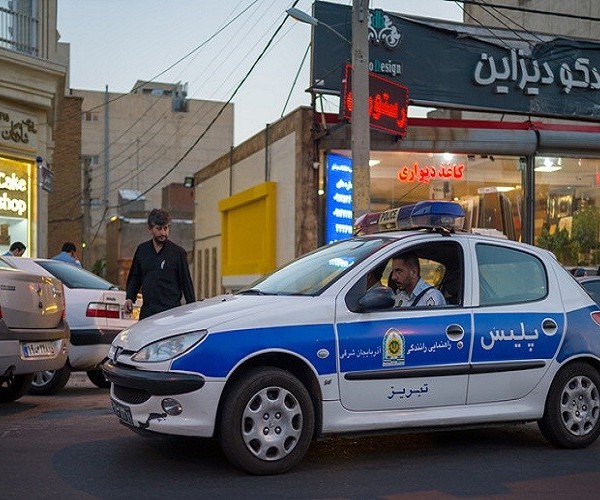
<point>524,9</point>
<point>190,53</point>
<point>219,113</point>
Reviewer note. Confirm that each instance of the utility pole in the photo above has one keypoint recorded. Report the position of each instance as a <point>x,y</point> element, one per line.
<point>106,151</point>
<point>87,220</point>
<point>361,139</point>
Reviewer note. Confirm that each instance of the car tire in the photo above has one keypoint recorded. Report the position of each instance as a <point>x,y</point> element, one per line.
<point>49,382</point>
<point>572,413</point>
<point>98,379</point>
<point>15,387</point>
<point>267,422</point>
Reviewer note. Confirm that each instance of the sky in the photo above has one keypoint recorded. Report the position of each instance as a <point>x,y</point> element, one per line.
<point>211,46</point>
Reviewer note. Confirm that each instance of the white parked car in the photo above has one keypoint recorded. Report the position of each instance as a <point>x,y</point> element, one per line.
<point>33,332</point>
<point>312,350</point>
<point>95,313</point>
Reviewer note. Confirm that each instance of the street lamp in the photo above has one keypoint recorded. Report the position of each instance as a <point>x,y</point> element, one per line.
<point>361,140</point>
<point>303,17</point>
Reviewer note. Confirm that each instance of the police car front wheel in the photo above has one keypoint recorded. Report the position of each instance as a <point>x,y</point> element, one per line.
<point>267,422</point>
<point>572,415</point>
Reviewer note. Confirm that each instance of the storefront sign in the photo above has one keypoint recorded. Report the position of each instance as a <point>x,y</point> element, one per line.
<point>460,65</point>
<point>14,191</point>
<point>15,128</point>
<point>424,173</point>
<point>338,198</point>
<point>388,103</point>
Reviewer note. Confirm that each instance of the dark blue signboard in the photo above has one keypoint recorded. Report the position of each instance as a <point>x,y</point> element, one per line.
<point>338,198</point>
<point>447,64</point>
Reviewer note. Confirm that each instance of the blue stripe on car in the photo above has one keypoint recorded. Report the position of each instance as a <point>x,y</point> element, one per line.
<point>583,336</point>
<point>220,352</point>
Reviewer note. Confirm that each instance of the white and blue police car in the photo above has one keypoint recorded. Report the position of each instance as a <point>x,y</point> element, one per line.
<point>310,351</point>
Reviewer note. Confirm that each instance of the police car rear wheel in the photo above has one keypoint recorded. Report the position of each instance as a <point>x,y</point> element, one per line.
<point>572,415</point>
<point>267,422</point>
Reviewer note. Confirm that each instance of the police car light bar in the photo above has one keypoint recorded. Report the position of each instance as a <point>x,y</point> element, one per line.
<point>446,215</point>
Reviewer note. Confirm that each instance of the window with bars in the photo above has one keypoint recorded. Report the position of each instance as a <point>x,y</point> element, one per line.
<point>19,26</point>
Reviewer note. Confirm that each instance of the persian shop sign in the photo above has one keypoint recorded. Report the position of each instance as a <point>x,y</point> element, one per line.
<point>424,173</point>
<point>448,64</point>
<point>388,103</point>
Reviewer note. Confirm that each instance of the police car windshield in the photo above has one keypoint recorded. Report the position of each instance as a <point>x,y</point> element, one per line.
<point>314,272</point>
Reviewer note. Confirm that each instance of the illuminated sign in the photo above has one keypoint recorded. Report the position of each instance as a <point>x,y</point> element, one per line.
<point>425,173</point>
<point>14,190</point>
<point>388,103</point>
<point>338,198</point>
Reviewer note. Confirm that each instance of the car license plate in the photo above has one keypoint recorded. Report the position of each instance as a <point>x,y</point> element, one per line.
<point>122,411</point>
<point>38,349</point>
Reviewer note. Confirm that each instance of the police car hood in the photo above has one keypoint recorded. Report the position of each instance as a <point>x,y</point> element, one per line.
<point>231,312</point>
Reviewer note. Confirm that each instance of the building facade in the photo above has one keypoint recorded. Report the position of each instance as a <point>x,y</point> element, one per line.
<point>520,15</point>
<point>143,140</point>
<point>32,80</point>
<point>533,177</point>
<point>256,207</point>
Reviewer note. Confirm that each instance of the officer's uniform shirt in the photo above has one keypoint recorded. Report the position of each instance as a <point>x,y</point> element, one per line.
<point>432,297</point>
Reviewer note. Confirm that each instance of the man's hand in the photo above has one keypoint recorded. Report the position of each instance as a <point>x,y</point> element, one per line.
<point>129,306</point>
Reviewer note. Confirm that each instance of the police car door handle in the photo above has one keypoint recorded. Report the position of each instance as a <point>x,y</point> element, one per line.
<point>549,326</point>
<point>455,332</point>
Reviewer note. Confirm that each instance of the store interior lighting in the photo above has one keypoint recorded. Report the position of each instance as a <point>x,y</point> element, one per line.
<point>373,162</point>
<point>548,165</point>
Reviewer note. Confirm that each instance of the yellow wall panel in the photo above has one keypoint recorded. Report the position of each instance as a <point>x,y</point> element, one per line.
<point>248,222</point>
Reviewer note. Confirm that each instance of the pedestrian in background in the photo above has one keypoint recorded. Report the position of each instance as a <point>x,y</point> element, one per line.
<point>160,269</point>
<point>17,249</point>
<point>68,254</point>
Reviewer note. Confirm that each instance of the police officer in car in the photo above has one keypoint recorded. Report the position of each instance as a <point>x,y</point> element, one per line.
<point>413,290</point>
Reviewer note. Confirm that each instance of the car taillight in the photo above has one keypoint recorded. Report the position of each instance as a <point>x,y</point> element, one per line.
<point>103,310</point>
<point>596,317</point>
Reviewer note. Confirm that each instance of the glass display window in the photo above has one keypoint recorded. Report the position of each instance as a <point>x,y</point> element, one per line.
<point>567,208</point>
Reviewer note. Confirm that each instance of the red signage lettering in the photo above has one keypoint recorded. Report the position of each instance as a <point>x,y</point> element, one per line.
<point>423,174</point>
<point>388,103</point>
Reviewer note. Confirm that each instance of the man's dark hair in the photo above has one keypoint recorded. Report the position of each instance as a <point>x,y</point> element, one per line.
<point>17,245</point>
<point>68,246</point>
<point>158,217</point>
<point>410,258</point>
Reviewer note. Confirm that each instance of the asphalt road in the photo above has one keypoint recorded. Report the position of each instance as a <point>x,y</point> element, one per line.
<point>70,446</point>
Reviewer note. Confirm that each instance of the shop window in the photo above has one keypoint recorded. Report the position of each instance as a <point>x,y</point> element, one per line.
<point>489,187</point>
<point>567,208</point>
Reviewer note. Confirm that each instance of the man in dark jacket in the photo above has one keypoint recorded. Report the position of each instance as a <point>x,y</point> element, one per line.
<point>160,269</point>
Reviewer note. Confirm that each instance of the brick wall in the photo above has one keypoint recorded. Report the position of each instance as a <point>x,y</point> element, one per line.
<point>64,202</point>
<point>178,200</point>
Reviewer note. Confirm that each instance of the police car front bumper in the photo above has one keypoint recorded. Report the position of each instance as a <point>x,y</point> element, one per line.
<point>164,402</point>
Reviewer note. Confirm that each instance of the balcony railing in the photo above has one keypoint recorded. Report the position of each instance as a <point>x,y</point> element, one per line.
<point>18,30</point>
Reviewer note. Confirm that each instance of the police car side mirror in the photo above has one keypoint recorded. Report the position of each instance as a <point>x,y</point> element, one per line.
<point>381,297</point>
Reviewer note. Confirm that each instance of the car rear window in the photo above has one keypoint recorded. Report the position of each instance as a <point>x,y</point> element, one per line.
<point>75,277</point>
<point>509,276</point>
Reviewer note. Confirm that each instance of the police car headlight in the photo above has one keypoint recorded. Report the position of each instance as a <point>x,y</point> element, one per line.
<point>166,349</point>
<point>111,352</point>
